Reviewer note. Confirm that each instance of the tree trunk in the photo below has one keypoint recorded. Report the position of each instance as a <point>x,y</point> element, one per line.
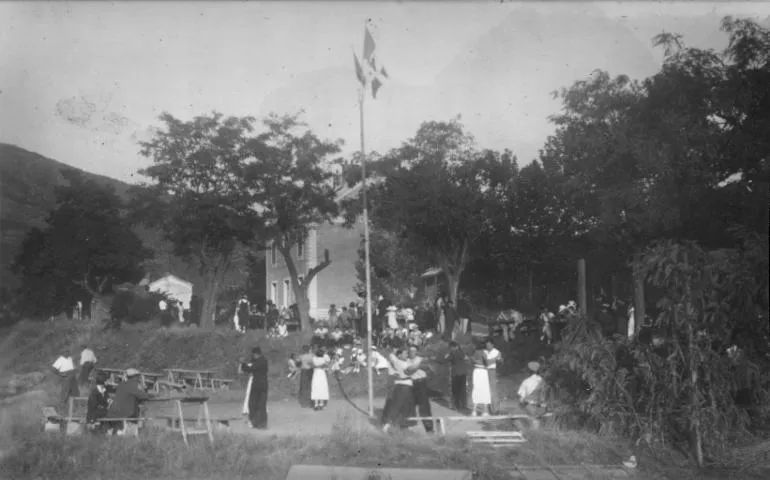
<point>453,283</point>
<point>639,310</point>
<point>301,289</point>
<point>303,305</point>
<point>582,296</point>
<point>212,284</point>
<point>209,308</point>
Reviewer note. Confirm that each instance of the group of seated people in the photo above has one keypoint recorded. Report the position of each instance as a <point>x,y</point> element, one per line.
<point>124,403</point>
<point>334,338</point>
<point>396,338</point>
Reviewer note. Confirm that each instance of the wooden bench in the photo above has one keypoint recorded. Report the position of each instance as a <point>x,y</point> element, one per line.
<point>73,425</point>
<point>172,421</point>
<point>496,439</point>
<point>439,423</point>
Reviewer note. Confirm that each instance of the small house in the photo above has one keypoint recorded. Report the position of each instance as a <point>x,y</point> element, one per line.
<point>174,287</point>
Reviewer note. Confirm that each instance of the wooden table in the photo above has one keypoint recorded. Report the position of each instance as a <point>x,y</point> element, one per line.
<point>201,378</point>
<point>203,423</point>
<point>149,381</point>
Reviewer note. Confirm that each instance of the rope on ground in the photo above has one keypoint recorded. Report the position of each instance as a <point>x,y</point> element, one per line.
<point>344,394</point>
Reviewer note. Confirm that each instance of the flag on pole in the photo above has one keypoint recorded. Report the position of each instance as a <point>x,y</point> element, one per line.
<point>359,71</point>
<point>369,73</point>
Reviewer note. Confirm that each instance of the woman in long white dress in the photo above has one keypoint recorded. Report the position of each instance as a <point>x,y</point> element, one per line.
<point>481,394</point>
<point>319,387</point>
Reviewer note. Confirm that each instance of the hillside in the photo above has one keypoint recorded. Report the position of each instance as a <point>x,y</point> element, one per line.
<point>27,184</point>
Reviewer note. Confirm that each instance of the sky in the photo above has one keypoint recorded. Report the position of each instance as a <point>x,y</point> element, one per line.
<point>84,82</point>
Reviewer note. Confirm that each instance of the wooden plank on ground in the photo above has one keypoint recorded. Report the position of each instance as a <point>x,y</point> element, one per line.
<point>323,472</point>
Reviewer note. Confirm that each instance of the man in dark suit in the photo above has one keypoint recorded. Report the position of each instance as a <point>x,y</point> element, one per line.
<point>257,394</point>
<point>98,405</point>
<point>128,396</point>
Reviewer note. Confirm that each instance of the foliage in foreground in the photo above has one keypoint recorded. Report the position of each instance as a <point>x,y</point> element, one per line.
<point>681,390</point>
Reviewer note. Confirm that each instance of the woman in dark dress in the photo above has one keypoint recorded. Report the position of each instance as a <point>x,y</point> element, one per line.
<point>257,394</point>
<point>400,404</point>
<point>305,377</point>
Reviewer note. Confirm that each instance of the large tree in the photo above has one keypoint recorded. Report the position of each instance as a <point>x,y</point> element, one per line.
<point>86,248</point>
<point>198,197</point>
<point>649,160</point>
<point>291,188</point>
<point>441,195</point>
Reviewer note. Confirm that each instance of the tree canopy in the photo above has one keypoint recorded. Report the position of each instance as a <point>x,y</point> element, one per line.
<point>85,249</point>
<point>292,189</point>
<point>197,195</point>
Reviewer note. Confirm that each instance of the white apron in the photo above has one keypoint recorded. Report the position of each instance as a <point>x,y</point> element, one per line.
<point>481,394</point>
<point>246,398</point>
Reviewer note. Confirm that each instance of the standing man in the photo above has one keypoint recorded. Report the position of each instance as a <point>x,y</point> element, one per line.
<point>440,315</point>
<point>355,317</point>
<point>420,388</point>
<point>257,394</point>
<point>64,367</point>
<point>493,357</point>
<point>459,373</point>
<point>87,362</point>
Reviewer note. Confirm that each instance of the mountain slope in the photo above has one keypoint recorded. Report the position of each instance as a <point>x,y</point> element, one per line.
<point>27,184</point>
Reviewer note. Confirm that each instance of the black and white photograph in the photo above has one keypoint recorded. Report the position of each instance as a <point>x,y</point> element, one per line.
<point>393,240</point>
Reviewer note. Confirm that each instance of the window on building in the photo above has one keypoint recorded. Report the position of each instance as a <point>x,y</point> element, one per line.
<point>274,292</point>
<point>286,295</point>
<point>300,246</point>
<point>274,255</point>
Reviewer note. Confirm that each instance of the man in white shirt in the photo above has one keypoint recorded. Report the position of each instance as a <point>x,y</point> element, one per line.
<point>493,357</point>
<point>531,392</point>
<point>87,363</point>
<point>64,367</point>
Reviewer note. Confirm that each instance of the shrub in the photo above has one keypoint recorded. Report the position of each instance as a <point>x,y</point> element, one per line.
<point>680,389</point>
<point>133,306</point>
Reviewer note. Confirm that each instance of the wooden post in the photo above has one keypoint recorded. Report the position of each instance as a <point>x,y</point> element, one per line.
<point>639,310</point>
<point>582,297</point>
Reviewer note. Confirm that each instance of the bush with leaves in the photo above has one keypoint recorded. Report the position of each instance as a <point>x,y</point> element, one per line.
<point>135,307</point>
<point>681,388</point>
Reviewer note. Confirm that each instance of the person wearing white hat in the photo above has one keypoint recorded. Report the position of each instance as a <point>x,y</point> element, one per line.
<point>531,392</point>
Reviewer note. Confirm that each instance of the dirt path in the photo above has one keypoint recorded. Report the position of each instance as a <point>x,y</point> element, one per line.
<point>287,418</point>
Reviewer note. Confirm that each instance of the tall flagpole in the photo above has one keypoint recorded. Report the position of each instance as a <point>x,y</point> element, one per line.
<point>369,362</point>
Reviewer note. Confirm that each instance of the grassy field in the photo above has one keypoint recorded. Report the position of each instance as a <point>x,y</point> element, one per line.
<point>31,454</point>
<point>27,453</point>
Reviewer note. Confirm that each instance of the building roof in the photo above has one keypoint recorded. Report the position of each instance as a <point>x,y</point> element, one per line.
<point>173,278</point>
